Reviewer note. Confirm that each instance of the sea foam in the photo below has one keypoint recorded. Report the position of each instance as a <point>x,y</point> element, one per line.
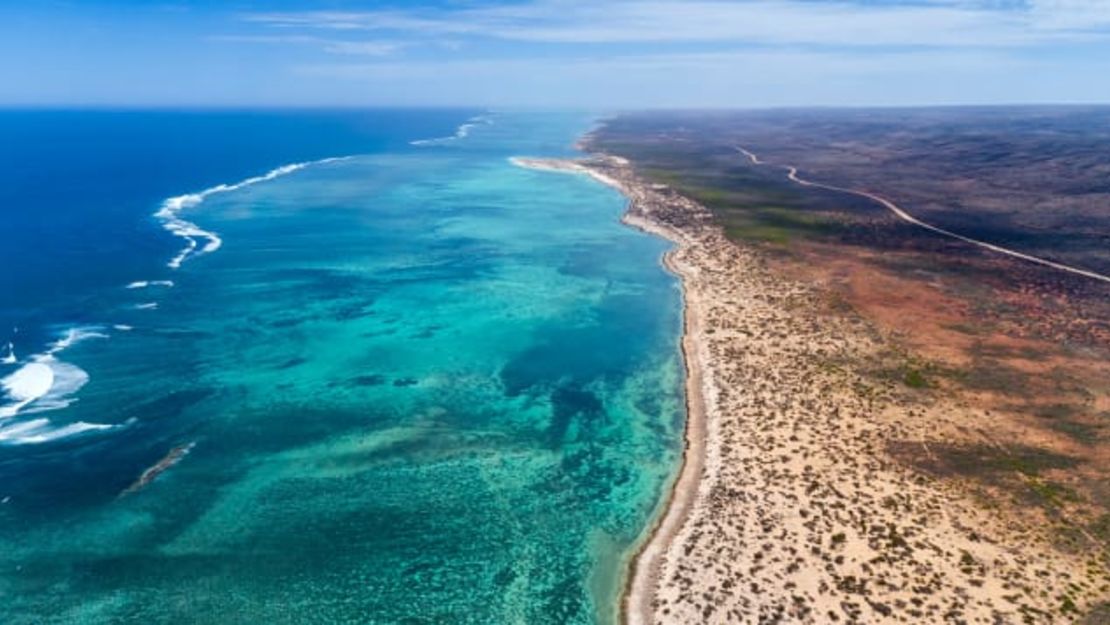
<point>41,431</point>
<point>193,234</point>
<point>45,383</point>
<point>142,284</point>
<point>462,132</point>
<point>29,383</point>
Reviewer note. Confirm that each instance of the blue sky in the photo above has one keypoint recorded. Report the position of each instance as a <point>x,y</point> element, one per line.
<point>554,53</point>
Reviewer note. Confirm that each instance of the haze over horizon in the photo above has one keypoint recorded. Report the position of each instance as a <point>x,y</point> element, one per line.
<point>555,53</point>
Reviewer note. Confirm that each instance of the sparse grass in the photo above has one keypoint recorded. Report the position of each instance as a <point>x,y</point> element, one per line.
<point>762,234</point>
<point>1055,411</point>
<point>994,376</point>
<point>749,207</point>
<point>1069,538</point>
<point>1051,494</point>
<point>773,224</point>
<point>1101,528</point>
<point>970,329</point>
<point>1077,430</point>
<point>1068,419</point>
<point>1017,470</point>
<point>1030,461</point>
<point>913,371</point>
<point>990,462</point>
<point>838,304</point>
<point>707,195</point>
<point>663,176</point>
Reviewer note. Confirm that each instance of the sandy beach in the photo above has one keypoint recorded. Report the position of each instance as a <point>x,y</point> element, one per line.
<point>790,505</point>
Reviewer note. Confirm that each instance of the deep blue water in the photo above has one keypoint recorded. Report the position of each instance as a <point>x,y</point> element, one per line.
<point>77,189</point>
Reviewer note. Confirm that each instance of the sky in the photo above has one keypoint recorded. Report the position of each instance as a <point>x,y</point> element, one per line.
<point>553,53</point>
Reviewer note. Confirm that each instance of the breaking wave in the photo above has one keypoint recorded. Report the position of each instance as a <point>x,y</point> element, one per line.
<point>193,234</point>
<point>42,431</point>
<point>43,383</point>
<point>462,132</point>
<point>142,284</point>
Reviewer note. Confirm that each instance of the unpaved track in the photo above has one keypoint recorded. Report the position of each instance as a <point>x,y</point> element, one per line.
<point>792,174</point>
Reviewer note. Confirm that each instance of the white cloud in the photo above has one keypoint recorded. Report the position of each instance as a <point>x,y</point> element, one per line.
<point>678,53</point>
<point>747,78</point>
<point>368,48</point>
<point>769,22</point>
<point>270,39</point>
<point>332,46</point>
<point>1070,15</point>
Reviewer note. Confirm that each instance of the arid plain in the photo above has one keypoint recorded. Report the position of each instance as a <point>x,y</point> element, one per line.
<point>890,419</point>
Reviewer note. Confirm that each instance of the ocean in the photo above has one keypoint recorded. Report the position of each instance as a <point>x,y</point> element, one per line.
<point>323,367</point>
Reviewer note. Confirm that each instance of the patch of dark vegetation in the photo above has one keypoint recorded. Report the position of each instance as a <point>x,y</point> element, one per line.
<point>372,379</point>
<point>1051,494</point>
<point>994,376</point>
<point>991,351</point>
<point>914,378</point>
<point>1070,539</point>
<point>836,304</point>
<point>969,329</point>
<point>913,372</point>
<point>990,463</point>
<point>1055,411</point>
<point>778,225</point>
<point>1100,528</point>
<point>1071,420</point>
<point>750,206</point>
<point>1016,470</point>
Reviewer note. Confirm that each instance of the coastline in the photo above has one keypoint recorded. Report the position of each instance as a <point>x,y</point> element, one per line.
<point>645,562</point>
<point>643,570</point>
<point>788,504</point>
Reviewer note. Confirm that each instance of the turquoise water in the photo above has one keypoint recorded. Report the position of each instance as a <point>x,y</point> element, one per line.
<point>420,385</point>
